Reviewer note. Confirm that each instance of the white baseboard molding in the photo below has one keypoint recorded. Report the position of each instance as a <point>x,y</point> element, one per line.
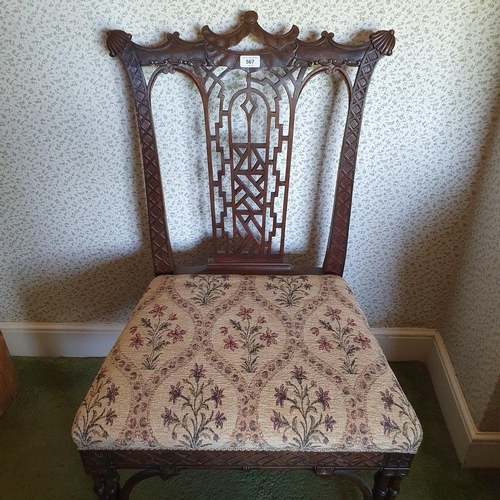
<point>474,448</point>
<point>405,344</point>
<point>81,340</point>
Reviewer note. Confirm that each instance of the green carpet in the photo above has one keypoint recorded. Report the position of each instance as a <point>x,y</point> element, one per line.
<point>39,461</point>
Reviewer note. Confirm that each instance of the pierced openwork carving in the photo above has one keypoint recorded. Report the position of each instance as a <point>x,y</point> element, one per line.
<point>249,101</point>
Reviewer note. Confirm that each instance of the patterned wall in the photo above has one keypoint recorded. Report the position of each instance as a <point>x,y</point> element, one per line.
<point>472,326</point>
<point>72,225</point>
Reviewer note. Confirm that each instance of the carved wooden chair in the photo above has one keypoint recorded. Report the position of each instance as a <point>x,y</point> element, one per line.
<point>248,362</point>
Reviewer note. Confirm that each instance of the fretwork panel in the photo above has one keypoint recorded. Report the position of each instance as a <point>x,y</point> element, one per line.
<point>248,142</point>
<point>249,125</point>
<point>285,64</point>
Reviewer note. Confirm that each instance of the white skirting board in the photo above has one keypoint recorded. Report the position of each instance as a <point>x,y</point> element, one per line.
<point>474,448</point>
<point>81,340</point>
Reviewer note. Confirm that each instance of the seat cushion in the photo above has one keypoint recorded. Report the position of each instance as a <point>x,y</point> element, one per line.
<point>247,363</point>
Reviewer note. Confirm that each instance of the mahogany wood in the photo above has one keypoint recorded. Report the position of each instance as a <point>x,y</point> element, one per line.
<point>103,466</point>
<point>248,222</point>
<point>9,386</point>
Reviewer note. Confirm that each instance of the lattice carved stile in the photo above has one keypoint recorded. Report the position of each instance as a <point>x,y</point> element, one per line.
<point>249,128</point>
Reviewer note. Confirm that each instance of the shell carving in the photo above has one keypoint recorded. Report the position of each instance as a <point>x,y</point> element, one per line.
<point>117,41</point>
<point>383,41</point>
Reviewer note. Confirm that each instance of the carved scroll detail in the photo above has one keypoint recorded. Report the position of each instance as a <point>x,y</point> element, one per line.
<point>383,41</point>
<point>250,26</point>
<point>117,41</point>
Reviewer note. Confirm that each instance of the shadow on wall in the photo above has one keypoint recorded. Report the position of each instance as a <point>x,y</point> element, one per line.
<point>486,153</point>
<point>108,290</point>
<point>103,292</point>
<point>434,257</point>
<point>97,291</point>
<point>491,417</point>
<point>428,266</point>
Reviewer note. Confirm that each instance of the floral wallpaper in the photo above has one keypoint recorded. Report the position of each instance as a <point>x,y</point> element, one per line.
<point>73,234</point>
<point>472,324</point>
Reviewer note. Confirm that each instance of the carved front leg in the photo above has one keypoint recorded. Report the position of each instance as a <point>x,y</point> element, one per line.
<point>386,485</point>
<point>394,487</point>
<point>107,484</point>
<point>328,472</point>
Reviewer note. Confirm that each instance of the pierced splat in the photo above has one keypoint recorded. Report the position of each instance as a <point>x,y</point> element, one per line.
<point>249,101</point>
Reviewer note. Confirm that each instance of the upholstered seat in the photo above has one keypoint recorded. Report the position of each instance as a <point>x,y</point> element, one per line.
<point>247,363</point>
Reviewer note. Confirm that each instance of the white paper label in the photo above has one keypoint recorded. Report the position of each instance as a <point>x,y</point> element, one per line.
<point>249,61</point>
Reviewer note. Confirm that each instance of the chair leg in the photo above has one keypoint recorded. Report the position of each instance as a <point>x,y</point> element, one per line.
<point>164,472</point>
<point>107,484</point>
<point>387,485</point>
<point>328,472</point>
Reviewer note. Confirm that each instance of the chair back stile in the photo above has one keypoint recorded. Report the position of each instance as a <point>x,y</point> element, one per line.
<point>249,165</point>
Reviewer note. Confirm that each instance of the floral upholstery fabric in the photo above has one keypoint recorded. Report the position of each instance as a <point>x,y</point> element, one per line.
<point>247,363</point>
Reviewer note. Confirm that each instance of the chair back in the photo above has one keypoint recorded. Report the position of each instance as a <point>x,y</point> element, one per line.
<point>249,102</point>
